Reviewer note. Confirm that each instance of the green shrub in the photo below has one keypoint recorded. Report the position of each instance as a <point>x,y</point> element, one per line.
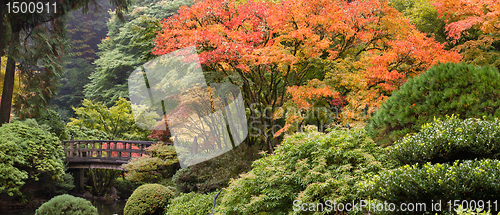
<point>83,133</point>
<point>54,123</point>
<point>445,89</point>
<point>148,199</point>
<point>448,140</point>
<point>470,180</point>
<point>214,174</point>
<point>26,152</point>
<point>116,121</point>
<point>160,163</point>
<point>307,167</point>
<point>66,204</point>
<point>193,204</point>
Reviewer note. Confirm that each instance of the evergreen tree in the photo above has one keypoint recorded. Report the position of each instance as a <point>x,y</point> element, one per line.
<point>85,31</point>
<point>461,89</point>
<point>128,45</point>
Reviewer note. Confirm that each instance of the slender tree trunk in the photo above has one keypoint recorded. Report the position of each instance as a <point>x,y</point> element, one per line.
<point>8,84</point>
<point>2,28</point>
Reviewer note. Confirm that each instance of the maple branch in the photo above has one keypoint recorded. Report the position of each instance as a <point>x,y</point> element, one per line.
<point>405,57</point>
<point>376,37</point>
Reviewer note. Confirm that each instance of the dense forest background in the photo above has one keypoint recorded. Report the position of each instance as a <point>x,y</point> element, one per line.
<point>105,50</point>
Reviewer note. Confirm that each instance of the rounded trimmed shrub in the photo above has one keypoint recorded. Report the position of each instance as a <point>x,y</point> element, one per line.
<point>193,203</point>
<point>444,141</point>
<point>465,90</point>
<point>148,199</point>
<point>67,204</point>
<point>470,180</point>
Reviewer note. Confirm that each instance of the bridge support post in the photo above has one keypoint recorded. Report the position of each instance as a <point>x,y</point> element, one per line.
<point>79,179</point>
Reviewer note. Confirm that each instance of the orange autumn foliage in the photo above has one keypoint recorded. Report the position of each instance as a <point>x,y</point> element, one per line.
<point>362,50</point>
<point>474,27</point>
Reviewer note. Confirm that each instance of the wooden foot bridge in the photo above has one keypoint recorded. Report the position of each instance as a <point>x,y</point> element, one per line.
<point>102,154</point>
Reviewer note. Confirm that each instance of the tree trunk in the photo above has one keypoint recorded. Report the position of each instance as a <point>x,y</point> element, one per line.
<point>2,28</point>
<point>8,84</point>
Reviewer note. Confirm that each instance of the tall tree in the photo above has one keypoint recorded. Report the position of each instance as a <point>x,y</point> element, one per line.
<point>127,45</point>
<point>361,49</point>
<point>47,56</point>
<point>423,14</point>
<point>474,27</point>
<point>85,32</point>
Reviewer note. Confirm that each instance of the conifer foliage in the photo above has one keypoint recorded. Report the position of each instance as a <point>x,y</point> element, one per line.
<point>465,90</point>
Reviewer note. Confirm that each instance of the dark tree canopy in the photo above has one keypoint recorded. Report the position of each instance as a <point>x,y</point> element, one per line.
<point>36,46</point>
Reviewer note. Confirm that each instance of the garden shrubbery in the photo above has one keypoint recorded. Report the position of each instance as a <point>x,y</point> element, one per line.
<point>67,204</point>
<point>307,167</point>
<point>467,180</point>
<point>451,139</point>
<point>27,152</point>
<point>160,163</point>
<point>193,203</point>
<point>83,133</point>
<point>54,123</point>
<point>465,90</point>
<point>449,159</point>
<point>148,199</point>
<point>214,174</point>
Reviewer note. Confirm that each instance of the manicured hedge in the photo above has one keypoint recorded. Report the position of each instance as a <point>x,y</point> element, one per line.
<point>467,180</point>
<point>450,139</point>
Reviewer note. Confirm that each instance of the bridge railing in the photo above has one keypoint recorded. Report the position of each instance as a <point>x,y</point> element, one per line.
<point>104,149</point>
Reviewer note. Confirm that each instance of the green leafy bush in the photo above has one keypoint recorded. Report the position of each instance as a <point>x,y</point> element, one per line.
<point>117,121</point>
<point>214,174</point>
<point>193,203</point>
<point>54,123</point>
<point>66,204</point>
<point>84,133</point>
<point>160,163</point>
<point>470,180</point>
<point>148,199</point>
<point>308,168</point>
<point>26,152</point>
<point>448,140</point>
<point>465,90</point>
